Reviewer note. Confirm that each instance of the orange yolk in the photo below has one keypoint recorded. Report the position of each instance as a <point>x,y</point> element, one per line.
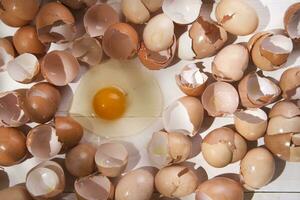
<point>109,103</point>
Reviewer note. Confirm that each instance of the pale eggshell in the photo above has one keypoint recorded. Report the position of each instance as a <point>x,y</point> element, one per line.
<point>7,52</point>
<point>15,192</point>
<point>290,83</point>
<point>185,50</point>
<point>153,5</point>
<point>291,21</point>
<point>135,11</point>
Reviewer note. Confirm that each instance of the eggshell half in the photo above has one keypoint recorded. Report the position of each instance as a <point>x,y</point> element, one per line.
<point>290,83</point>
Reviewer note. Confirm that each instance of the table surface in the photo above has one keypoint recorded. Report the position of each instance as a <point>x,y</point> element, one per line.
<point>286,183</point>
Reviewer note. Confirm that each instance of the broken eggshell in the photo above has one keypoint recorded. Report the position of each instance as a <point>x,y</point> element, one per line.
<point>135,11</point>
<point>77,4</point>
<point>185,116</point>
<point>223,146</point>
<point>153,6</point>
<point>290,83</point>
<point>168,148</point>
<point>191,80</point>
<point>18,192</point>
<point>111,159</point>
<point>220,99</point>
<point>256,91</point>
<point>7,52</point>
<point>291,21</point>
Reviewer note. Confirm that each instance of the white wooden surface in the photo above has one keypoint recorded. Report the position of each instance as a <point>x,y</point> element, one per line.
<point>286,184</point>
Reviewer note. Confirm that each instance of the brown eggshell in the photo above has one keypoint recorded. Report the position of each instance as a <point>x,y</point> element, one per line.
<point>120,41</point>
<point>13,146</point>
<point>17,192</point>
<point>80,160</point>
<point>77,4</point>
<point>220,188</point>
<point>291,20</point>
<point>7,53</point>
<point>68,130</point>
<point>59,67</point>
<point>7,45</point>
<point>18,12</point>
<point>285,109</point>
<point>42,101</point>
<point>290,83</point>
<point>255,37</point>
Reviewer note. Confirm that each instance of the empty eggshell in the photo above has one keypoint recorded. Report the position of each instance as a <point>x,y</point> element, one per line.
<point>191,81</point>
<point>251,123</point>
<point>77,4</point>
<point>182,12</point>
<point>290,83</point>
<point>257,168</point>
<point>42,101</point>
<point>98,18</point>
<point>46,180</point>
<point>176,181</point>
<point>7,52</point>
<point>185,50</point>
<point>17,13</point>
<point>168,148</point>
<point>18,192</point>
<point>231,14</point>
<point>23,68</point>
<point>230,63</point>
<point>158,33</point>
<point>223,146</point>
<point>135,11</point>
<point>13,146</point>
<point>80,160</point>
<point>220,99</point>
<point>55,23</point>
<point>185,116</point>
<point>256,91</point>
<point>111,159</point>
<point>59,67</point>
<point>153,5</point>
<point>291,21</point>
<point>96,187</point>
<point>135,185</point>
<point>220,188</point>
<point>120,41</point>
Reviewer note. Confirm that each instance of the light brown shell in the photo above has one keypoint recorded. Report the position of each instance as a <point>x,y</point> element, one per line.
<point>135,11</point>
<point>290,82</point>
<point>8,46</point>
<point>289,20</point>
<point>16,192</point>
<point>285,109</point>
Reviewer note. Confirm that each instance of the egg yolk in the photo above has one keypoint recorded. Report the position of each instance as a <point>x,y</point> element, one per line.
<point>109,103</point>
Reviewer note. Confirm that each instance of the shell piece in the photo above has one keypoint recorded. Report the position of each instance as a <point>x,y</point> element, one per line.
<point>176,181</point>
<point>185,50</point>
<point>98,18</point>
<point>220,99</point>
<point>111,159</point>
<point>42,142</point>
<point>251,123</point>
<point>7,52</point>
<point>257,168</point>
<point>223,146</point>
<point>13,146</point>
<point>290,83</point>
<point>55,23</point>
<point>23,68</point>
<point>88,50</point>
<point>158,33</point>
<point>285,109</point>
<point>256,91</point>
<point>12,109</point>
<point>220,188</point>
<point>131,185</point>
<point>135,11</point>
<point>46,180</point>
<point>77,4</point>
<point>16,192</point>
<point>120,41</point>
<point>230,63</point>
<point>153,5</point>
<point>184,116</point>
<point>191,81</point>
<point>231,14</point>
<point>292,20</point>
<point>95,187</point>
<point>59,67</point>
<point>182,12</point>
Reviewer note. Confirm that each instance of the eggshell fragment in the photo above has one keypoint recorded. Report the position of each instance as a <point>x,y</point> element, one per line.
<point>257,168</point>
<point>153,5</point>
<point>98,18</point>
<point>223,146</point>
<point>135,11</point>
<point>220,99</point>
<point>230,63</point>
<point>191,81</point>
<point>111,159</point>
<point>291,21</point>
<point>168,148</point>
<point>96,187</point>
<point>59,67</point>
<point>176,181</point>
<point>185,50</point>
<point>77,4</point>
<point>120,41</point>
<point>231,14</point>
<point>185,116</point>
<point>23,68</point>
<point>182,12</point>
<point>46,180</point>
<point>290,83</point>
<point>251,123</point>
<point>18,192</point>
<point>256,91</point>
<point>131,185</point>
<point>220,188</point>
<point>13,146</point>
<point>80,160</point>
<point>158,33</point>
<point>7,53</point>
